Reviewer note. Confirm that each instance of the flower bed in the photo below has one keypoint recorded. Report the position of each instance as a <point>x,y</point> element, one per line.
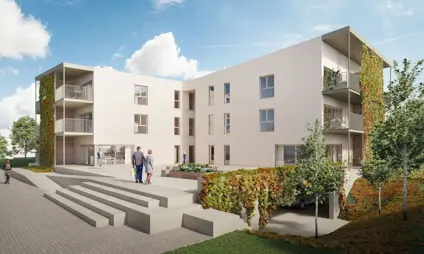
<point>191,171</point>
<point>234,191</point>
<point>38,169</point>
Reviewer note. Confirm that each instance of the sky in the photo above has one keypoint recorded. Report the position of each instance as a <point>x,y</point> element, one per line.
<point>180,39</point>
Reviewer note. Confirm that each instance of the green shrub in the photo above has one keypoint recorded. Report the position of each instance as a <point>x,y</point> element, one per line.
<point>197,168</point>
<point>18,162</point>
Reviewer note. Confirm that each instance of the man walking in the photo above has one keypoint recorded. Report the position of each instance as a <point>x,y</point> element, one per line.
<point>184,157</point>
<point>138,161</point>
<point>99,157</point>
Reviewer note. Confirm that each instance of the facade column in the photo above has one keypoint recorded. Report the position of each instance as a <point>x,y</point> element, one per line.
<point>54,118</point>
<point>64,119</point>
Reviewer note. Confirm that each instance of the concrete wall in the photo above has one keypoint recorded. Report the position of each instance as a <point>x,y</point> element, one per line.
<point>114,110</point>
<point>297,100</point>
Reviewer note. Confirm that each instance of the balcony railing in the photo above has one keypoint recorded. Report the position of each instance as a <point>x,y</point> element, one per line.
<point>84,93</point>
<point>37,130</point>
<point>74,125</point>
<point>354,122</point>
<point>341,81</point>
<point>37,106</point>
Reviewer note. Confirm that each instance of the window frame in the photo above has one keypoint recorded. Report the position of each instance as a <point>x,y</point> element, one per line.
<point>267,86</point>
<point>137,96</point>
<point>140,116</point>
<point>191,128</point>
<point>296,153</point>
<point>177,99</point>
<point>210,124</point>
<point>191,101</point>
<point>227,96</point>
<point>177,126</point>
<point>266,121</point>
<point>211,94</point>
<point>227,161</point>
<point>227,126</point>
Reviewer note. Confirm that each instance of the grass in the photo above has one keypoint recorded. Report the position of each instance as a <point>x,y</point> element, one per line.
<point>243,242</point>
<point>18,162</point>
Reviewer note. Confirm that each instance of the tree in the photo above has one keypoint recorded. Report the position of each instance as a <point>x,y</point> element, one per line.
<point>3,147</point>
<point>23,135</point>
<point>377,172</point>
<point>398,140</point>
<point>316,173</point>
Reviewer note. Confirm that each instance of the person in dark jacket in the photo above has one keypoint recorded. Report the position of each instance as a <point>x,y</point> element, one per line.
<point>7,169</point>
<point>138,160</point>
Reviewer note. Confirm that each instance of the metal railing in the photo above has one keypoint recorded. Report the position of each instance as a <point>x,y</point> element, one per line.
<point>354,122</point>
<point>341,81</point>
<point>84,93</point>
<point>74,125</point>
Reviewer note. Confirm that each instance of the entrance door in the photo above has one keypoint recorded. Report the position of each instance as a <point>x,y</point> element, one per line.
<point>191,154</point>
<point>279,155</point>
<point>176,154</point>
<point>211,155</point>
<point>87,155</point>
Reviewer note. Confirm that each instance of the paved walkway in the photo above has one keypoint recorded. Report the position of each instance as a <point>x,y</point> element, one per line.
<point>29,223</point>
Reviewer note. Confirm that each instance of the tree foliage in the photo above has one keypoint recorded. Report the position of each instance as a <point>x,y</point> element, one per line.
<point>317,174</point>
<point>3,147</point>
<point>22,135</point>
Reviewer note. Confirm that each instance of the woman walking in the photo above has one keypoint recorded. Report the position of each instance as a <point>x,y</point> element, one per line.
<point>149,166</point>
<point>7,169</point>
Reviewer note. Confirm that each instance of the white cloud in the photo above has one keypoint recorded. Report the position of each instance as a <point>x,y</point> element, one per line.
<point>162,4</point>
<point>161,56</point>
<point>9,70</point>
<point>21,35</point>
<point>118,53</point>
<point>399,9</point>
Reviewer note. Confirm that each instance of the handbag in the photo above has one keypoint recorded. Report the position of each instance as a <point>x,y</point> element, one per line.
<point>133,172</point>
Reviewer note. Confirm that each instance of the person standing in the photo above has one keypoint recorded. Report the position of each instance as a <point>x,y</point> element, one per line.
<point>184,157</point>
<point>149,166</point>
<point>7,169</point>
<point>99,157</point>
<point>138,160</point>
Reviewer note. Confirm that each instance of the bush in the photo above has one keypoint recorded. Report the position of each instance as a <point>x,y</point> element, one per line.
<point>18,162</point>
<point>192,167</point>
<point>38,169</point>
<point>232,191</point>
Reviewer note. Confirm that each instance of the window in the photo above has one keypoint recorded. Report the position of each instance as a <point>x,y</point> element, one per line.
<point>292,154</point>
<point>176,154</point>
<point>211,95</point>
<point>227,123</point>
<point>267,120</point>
<point>226,155</point>
<point>191,154</point>
<point>210,124</point>
<point>191,126</point>
<point>140,95</point>
<point>267,86</point>
<point>140,124</point>
<point>176,99</point>
<point>333,117</point>
<point>227,93</point>
<point>334,152</point>
<point>191,101</point>
<point>176,126</point>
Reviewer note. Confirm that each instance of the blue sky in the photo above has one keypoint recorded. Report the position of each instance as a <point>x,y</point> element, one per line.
<point>211,34</point>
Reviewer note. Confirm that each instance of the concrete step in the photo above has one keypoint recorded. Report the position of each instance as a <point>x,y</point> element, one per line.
<point>147,220</point>
<point>212,222</point>
<point>167,197</point>
<point>83,213</point>
<point>124,195</point>
<point>116,217</point>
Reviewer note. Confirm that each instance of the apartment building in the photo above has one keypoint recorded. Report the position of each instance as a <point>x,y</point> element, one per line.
<point>251,114</point>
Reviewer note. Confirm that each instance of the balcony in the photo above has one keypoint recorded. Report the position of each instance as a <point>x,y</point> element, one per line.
<point>336,85</point>
<point>74,127</point>
<point>343,125</point>
<point>37,107</point>
<point>74,95</point>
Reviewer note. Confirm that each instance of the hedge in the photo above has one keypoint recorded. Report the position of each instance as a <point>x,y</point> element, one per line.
<point>46,96</point>
<point>232,191</point>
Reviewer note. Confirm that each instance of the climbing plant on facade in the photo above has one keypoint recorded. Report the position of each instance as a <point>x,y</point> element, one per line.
<point>46,97</point>
<point>371,78</point>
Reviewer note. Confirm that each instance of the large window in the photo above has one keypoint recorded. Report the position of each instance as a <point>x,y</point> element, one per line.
<point>210,124</point>
<point>266,120</point>
<point>140,95</point>
<point>141,124</point>
<point>191,126</point>
<point>191,98</point>
<point>267,86</point>
<point>227,123</point>
<point>116,154</point>
<point>211,95</point>
<point>176,99</point>
<point>292,154</point>
<point>176,126</point>
<point>227,94</point>
<point>226,155</point>
<point>334,152</point>
<point>333,117</point>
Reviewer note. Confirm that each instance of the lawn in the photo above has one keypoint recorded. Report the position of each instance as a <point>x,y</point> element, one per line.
<point>243,242</point>
<point>18,162</point>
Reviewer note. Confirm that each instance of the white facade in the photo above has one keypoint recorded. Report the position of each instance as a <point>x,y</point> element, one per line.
<point>230,122</point>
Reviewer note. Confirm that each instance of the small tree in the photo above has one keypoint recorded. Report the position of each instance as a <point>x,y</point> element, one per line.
<point>317,174</point>
<point>377,172</point>
<point>3,147</point>
<point>398,140</point>
<point>23,135</point>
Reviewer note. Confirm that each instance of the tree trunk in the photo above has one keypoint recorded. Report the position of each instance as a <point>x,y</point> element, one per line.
<point>379,200</point>
<point>316,216</point>
<point>405,183</point>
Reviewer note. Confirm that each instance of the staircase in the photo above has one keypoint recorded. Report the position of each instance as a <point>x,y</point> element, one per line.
<point>149,208</point>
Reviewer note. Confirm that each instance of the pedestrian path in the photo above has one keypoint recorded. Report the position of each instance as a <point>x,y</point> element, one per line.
<point>30,223</point>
